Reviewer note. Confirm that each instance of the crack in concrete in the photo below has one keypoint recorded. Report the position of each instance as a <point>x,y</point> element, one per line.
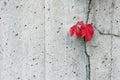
<point>88,63</point>
<point>88,71</point>
<point>109,34</point>
<point>89,10</point>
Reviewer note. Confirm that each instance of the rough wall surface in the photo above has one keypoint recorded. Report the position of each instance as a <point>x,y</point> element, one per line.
<point>35,44</point>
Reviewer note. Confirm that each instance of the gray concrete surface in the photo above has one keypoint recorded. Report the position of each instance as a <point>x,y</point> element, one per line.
<point>35,45</point>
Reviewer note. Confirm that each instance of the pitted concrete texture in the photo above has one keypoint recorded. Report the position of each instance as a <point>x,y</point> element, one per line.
<point>35,44</point>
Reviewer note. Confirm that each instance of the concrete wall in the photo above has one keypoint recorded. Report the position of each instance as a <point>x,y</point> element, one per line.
<point>35,44</point>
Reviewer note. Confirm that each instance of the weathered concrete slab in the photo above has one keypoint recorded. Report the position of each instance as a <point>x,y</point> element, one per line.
<point>65,59</point>
<point>75,56</point>
<point>54,40</point>
<point>21,40</point>
<point>102,48</point>
<point>115,59</point>
<point>35,44</point>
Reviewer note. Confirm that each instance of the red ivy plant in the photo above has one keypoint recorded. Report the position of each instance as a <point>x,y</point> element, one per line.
<point>82,30</point>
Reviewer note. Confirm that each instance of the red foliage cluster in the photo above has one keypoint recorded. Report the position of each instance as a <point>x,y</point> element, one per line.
<point>82,30</point>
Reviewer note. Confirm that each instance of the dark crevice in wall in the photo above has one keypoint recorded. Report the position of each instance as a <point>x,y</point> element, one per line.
<point>88,71</point>
<point>88,63</point>
<point>89,10</point>
<point>109,34</point>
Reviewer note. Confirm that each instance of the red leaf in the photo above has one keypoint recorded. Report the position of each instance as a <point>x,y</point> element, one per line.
<point>88,35</point>
<point>80,23</point>
<point>78,32</point>
<point>81,29</point>
<point>90,28</point>
<point>72,30</point>
<point>89,32</point>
